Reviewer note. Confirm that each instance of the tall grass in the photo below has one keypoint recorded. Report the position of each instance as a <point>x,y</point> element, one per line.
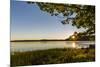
<point>52,56</point>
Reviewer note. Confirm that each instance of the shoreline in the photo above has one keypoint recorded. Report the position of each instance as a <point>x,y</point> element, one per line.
<point>42,40</point>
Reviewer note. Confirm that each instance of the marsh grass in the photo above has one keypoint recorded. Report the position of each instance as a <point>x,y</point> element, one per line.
<point>52,56</point>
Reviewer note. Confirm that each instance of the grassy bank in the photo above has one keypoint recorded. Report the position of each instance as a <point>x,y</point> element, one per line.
<point>52,56</point>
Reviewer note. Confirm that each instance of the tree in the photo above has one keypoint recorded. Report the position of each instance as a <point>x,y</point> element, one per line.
<point>81,36</point>
<point>81,16</point>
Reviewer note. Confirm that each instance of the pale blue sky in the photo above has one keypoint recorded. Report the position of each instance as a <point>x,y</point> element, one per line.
<point>29,22</point>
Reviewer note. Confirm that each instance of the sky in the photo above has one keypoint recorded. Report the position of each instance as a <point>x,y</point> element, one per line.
<point>28,22</point>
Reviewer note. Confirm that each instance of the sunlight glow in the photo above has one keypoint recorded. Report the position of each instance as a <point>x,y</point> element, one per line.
<point>73,37</point>
<point>73,45</point>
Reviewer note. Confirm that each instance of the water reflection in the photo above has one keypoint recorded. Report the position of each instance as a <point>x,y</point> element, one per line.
<point>31,46</point>
<point>73,44</point>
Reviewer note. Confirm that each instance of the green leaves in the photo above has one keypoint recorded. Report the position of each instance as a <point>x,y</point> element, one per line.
<point>85,14</point>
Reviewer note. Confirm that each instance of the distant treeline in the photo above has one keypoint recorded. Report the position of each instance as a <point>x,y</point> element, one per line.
<point>82,38</point>
<point>34,40</point>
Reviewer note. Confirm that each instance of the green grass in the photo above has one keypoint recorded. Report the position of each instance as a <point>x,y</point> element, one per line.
<point>52,56</point>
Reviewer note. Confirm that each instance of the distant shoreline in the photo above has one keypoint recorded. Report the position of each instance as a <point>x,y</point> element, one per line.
<point>42,40</point>
<point>33,40</point>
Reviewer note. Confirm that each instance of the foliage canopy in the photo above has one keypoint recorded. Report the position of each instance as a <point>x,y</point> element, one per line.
<point>81,16</point>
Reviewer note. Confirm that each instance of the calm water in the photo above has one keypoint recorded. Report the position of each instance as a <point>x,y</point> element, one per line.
<point>42,45</point>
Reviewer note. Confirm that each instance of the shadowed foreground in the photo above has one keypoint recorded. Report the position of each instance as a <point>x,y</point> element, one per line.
<point>53,56</point>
